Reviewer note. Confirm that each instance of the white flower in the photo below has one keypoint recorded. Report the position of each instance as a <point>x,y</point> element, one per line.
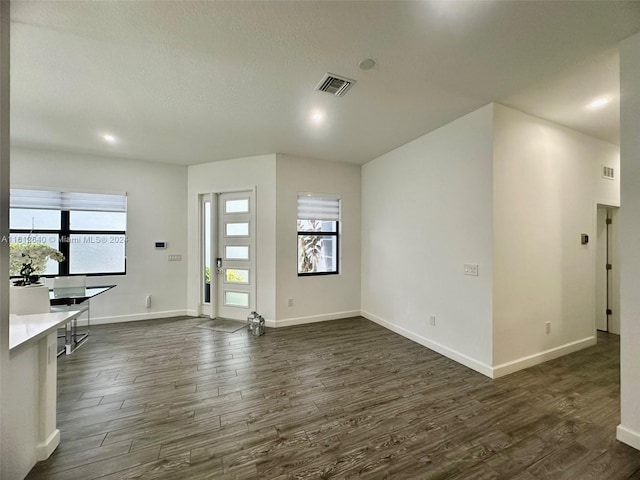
<point>35,253</point>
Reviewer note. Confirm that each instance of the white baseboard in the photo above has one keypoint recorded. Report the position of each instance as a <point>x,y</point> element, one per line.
<point>541,357</point>
<point>430,344</point>
<point>287,322</point>
<point>628,436</point>
<point>134,317</point>
<point>46,448</point>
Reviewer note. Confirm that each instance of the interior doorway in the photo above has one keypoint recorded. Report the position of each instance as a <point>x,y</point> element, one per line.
<point>607,270</point>
<point>228,254</point>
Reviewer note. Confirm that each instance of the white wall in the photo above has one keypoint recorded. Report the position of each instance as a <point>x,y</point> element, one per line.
<point>230,175</point>
<point>426,210</point>
<point>322,297</point>
<point>19,373</point>
<point>547,181</point>
<point>156,203</point>
<point>5,472</point>
<point>629,428</point>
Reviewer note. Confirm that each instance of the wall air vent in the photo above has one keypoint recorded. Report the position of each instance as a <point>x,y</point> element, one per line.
<point>608,172</point>
<point>334,84</point>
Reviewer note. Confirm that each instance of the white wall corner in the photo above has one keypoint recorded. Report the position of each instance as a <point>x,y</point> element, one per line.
<point>46,448</point>
<point>399,189</point>
<point>431,345</point>
<point>541,357</point>
<point>540,166</point>
<point>628,436</point>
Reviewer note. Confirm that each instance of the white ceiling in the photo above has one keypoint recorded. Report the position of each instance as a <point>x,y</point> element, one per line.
<point>564,98</point>
<point>193,82</point>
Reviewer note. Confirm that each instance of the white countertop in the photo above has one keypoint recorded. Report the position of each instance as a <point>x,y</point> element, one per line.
<point>31,328</point>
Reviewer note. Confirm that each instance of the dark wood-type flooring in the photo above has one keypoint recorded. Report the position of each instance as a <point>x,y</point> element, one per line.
<point>340,399</point>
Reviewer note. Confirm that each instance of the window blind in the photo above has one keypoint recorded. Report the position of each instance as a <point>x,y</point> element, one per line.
<point>50,200</point>
<point>313,206</point>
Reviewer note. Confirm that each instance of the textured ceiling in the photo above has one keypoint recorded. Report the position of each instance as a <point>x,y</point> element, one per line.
<point>193,82</point>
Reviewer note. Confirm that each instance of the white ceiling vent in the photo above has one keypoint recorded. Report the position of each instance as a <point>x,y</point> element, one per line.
<point>608,172</point>
<point>334,84</point>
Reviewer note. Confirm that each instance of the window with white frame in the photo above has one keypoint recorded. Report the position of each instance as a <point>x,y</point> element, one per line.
<point>318,234</point>
<point>89,229</point>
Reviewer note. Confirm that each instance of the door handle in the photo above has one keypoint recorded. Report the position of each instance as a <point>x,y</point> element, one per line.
<point>219,265</point>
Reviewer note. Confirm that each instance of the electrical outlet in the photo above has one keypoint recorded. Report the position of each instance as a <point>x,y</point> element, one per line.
<point>290,302</point>
<point>548,327</point>
<point>432,320</point>
<point>147,300</point>
<point>175,258</point>
<point>471,269</point>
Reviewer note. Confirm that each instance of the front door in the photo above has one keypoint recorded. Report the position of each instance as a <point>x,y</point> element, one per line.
<point>236,255</point>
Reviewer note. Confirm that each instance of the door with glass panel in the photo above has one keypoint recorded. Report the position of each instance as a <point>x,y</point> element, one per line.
<point>235,262</point>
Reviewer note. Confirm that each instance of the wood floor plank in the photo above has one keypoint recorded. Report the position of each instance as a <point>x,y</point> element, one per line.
<point>164,399</point>
<point>66,461</point>
<point>100,467</point>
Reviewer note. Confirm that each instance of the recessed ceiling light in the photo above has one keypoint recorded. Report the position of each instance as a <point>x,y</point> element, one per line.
<point>317,117</point>
<point>598,103</point>
<point>107,137</point>
<point>367,64</point>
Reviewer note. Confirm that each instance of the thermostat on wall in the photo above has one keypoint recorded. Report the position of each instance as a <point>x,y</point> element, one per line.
<point>161,244</point>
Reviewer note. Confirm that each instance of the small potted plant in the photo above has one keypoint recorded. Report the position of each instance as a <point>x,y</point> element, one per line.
<point>29,261</point>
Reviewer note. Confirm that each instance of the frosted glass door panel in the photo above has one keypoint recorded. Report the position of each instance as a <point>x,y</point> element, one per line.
<point>237,229</point>
<point>236,299</point>
<point>236,206</point>
<point>236,253</point>
<point>236,275</point>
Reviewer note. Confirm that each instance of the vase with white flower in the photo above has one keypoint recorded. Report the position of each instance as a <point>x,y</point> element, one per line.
<point>29,261</point>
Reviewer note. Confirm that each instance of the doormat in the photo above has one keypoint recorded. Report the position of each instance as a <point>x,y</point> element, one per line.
<point>223,325</point>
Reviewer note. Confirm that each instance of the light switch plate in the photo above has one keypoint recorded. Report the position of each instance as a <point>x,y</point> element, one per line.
<point>471,269</point>
<point>175,258</point>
